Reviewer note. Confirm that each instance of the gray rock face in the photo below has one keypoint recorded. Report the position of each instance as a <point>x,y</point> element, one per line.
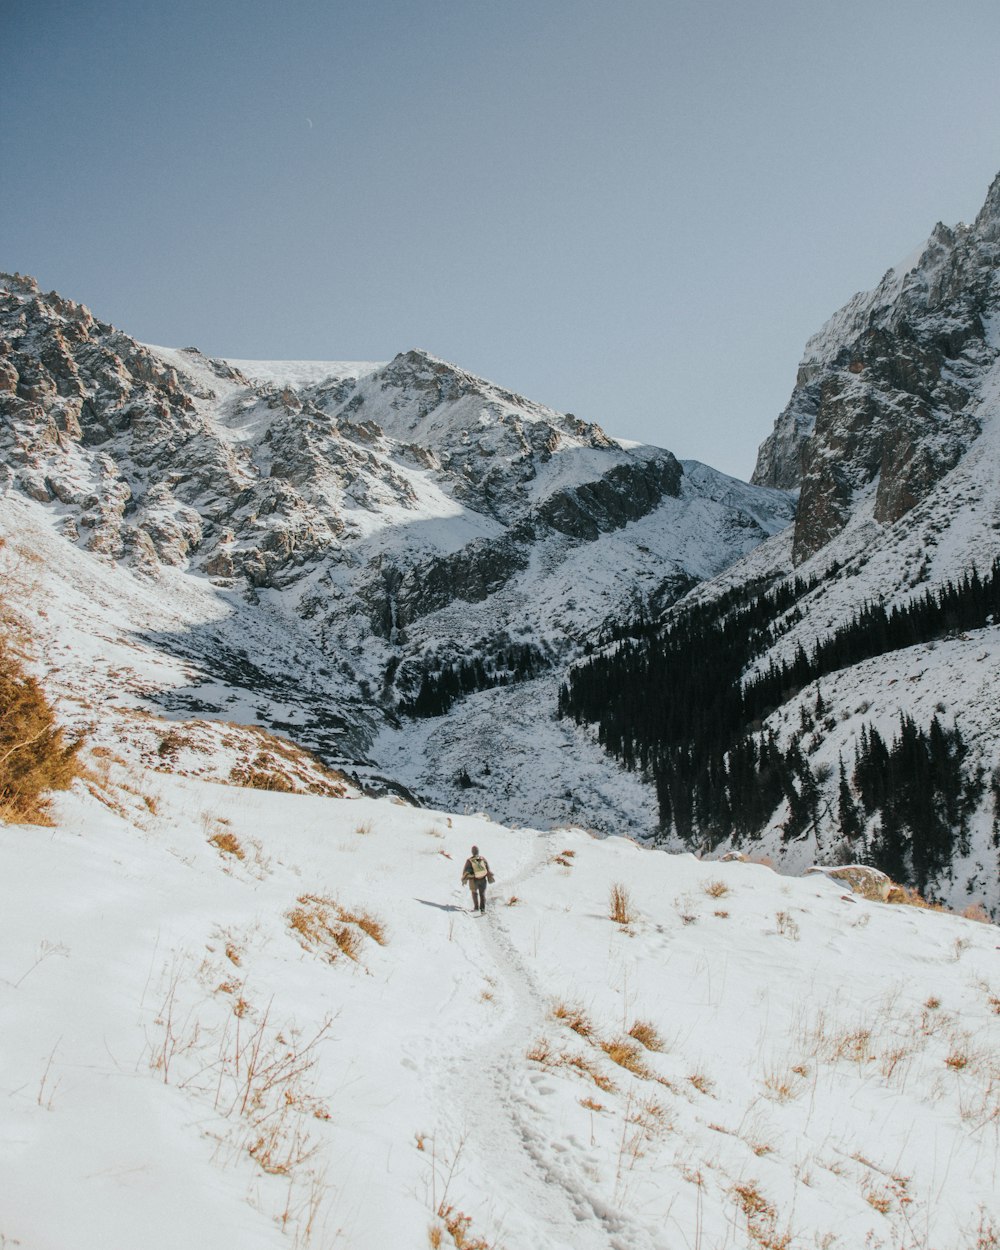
<point>886,392</point>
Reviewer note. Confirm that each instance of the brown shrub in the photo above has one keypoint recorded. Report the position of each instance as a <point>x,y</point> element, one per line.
<point>324,926</point>
<point>227,843</point>
<point>459,1225</point>
<point>574,1018</point>
<point>35,757</point>
<point>581,1064</point>
<point>702,1083</point>
<point>620,905</point>
<point>627,1055</point>
<point>646,1035</point>
<point>367,923</point>
<point>263,773</point>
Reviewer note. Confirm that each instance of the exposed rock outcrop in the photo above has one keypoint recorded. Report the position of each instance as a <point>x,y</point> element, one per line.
<point>885,397</point>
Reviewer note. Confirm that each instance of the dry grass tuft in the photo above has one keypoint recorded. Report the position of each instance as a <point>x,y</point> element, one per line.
<point>750,1200</point>
<point>35,756</point>
<point>325,927</point>
<point>761,1217</point>
<point>627,1055</point>
<point>878,1198</point>
<point>459,1227</point>
<point>854,1045</point>
<point>581,1064</point>
<point>787,925</point>
<point>890,1060</point>
<point>367,923</point>
<point>364,828</point>
<point>987,1234</point>
<point>227,843</point>
<point>779,1086</point>
<point>646,1035</point>
<point>264,772</point>
<point>716,889</point>
<point>620,905</point>
<point>957,1060</point>
<point>542,1052</point>
<point>575,1018</point>
<point>591,1104</point>
<point>702,1083</point>
<point>513,901</point>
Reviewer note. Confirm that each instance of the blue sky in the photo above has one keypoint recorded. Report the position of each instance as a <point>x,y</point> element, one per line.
<point>634,211</point>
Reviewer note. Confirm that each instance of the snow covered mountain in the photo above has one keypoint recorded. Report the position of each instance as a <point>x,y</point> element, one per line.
<point>870,629</point>
<point>325,548</point>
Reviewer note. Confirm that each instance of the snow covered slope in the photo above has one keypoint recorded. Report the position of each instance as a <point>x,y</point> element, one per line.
<point>266,1020</point>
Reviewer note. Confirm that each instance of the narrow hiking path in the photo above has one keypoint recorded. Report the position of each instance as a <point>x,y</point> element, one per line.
<point>493,1101</point>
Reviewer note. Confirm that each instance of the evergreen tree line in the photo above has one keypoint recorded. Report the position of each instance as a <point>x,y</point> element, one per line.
<point>441,687</point>
<point>670,701</point>
<point>876,630</point>
<point>916,790</point>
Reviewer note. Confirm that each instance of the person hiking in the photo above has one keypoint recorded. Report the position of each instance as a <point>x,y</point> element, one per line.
<point>476,872</point>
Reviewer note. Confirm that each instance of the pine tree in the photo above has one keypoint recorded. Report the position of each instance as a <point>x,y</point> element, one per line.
<point>851,823</point>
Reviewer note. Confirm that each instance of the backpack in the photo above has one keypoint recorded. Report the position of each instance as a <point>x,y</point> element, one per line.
<point>479,867</point>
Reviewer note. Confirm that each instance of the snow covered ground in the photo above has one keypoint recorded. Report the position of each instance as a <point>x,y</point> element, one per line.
<point>239,1018</point>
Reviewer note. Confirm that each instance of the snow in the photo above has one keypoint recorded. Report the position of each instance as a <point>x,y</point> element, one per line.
<point>300,374</point>
<point>803,1057</point>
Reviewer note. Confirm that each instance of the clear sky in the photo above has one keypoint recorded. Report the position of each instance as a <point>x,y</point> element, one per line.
<point>636,210</point>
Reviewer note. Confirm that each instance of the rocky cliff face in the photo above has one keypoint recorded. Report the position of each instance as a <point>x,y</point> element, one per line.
<point>887,393</point>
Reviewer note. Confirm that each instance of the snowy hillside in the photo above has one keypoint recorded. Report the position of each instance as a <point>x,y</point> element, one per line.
<point>266,1020</point>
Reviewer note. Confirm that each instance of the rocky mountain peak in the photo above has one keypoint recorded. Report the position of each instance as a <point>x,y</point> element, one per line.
<point>886,395</point>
